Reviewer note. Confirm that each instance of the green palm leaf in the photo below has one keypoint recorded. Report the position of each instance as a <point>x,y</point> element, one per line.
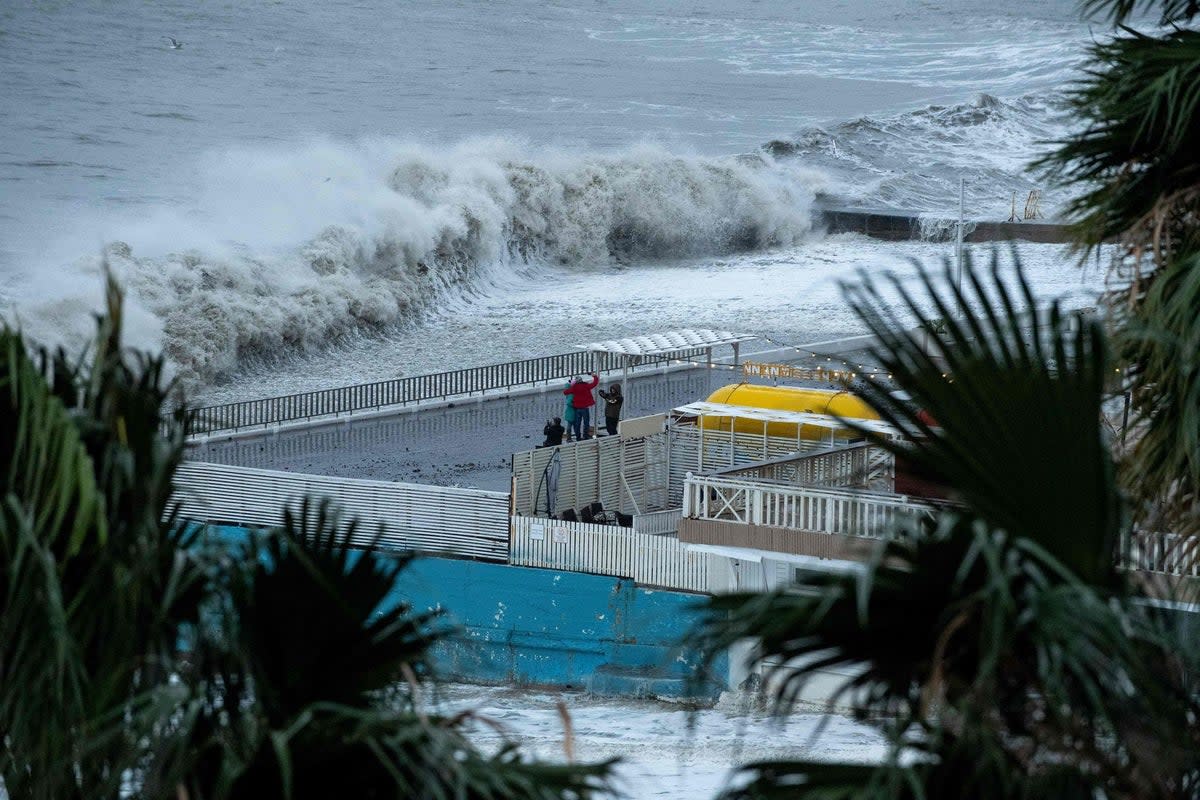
<point>1003,628</point>
<point>1016,391</point>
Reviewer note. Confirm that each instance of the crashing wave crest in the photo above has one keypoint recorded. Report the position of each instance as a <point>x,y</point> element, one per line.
<point>301,248</point>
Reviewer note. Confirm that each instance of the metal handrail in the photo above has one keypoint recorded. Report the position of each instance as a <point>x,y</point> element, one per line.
<point>403,391</point>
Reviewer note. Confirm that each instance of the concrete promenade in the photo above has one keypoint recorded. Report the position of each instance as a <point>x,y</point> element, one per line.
<point>469,444</point>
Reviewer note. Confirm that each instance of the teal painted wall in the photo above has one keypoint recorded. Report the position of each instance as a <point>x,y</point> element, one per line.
<point>546,627</point>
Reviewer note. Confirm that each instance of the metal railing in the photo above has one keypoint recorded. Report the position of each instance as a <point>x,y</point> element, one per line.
<point>404,391</point>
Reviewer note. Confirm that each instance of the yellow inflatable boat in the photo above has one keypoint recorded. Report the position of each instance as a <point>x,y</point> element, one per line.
<point>830,402</point>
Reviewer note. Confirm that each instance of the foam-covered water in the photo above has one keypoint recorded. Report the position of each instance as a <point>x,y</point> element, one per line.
<point>665,751</point>
<point>790,294</point>
<point>303,176</point>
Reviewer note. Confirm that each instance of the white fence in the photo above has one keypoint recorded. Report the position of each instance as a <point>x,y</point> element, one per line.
<point>650,560</point>
<point>855,513</point>
<point>693,450</point>
<point>626,475</point>
<point>462,522</point>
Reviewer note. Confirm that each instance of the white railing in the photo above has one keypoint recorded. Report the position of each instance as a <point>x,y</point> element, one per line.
<point>691,449</point>
<point>649,560</point>
<point>861,465</point>
<point>854,513</point>
<point>646,474</point>
<point>1167,553</point>
<point>433,519</point>
<point>658,523</point>
<point>465,382</point>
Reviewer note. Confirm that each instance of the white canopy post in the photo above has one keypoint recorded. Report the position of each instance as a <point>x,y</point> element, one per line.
<point>625,376</point>
<point>732,442</point>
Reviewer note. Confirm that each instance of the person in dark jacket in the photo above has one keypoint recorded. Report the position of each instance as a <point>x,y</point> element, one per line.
<point>554,431</point>
<point>581,398</point>
<point>613,400</point>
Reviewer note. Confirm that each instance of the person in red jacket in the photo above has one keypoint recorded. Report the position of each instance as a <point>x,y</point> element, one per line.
<point>581,398</point>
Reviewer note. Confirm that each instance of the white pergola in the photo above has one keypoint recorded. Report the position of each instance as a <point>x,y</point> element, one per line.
<point>766,416</point>
<point>660,344</point>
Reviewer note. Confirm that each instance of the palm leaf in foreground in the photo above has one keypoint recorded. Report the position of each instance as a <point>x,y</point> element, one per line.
<point>94,585</point>
<point>330,659</point>
<point>1134,168</point>
<point>996,647</point>
<point>1016,391</point>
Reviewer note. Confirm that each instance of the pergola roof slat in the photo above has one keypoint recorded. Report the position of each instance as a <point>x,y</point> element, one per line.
<point>667,342</point>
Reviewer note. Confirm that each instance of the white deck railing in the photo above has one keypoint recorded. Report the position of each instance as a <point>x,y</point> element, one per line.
<point>854,513</point>
<point>861,466</point>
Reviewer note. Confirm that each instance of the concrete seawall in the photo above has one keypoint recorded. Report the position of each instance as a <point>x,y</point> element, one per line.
<point>901,226</point>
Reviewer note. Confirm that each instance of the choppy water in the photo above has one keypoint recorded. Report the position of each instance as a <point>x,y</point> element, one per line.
<point>300,174</point>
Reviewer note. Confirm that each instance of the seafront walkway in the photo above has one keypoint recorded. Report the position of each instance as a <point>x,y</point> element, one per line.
<point>467,443</point>
<point>461,428</point>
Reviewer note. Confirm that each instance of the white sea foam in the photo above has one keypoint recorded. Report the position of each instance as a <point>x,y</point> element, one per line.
<point>289,249</point>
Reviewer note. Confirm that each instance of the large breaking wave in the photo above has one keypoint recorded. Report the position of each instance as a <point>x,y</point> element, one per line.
<point>287,250</point>
<point>291,248</point>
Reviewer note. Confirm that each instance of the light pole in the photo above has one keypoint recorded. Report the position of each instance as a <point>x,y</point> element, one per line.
<point>961,221</point>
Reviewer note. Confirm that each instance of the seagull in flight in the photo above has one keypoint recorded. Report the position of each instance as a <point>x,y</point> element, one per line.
<point>175,43</point>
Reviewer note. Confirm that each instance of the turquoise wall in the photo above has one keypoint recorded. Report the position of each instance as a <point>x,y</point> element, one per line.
<point>545,627</point>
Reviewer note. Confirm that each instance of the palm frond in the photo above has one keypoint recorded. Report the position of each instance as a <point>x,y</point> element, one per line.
<point>1001,642</point>
<point>1015,389</point>
<point>1120,11</point>
<point>1134,163</point>
<point>320,618</point>
<point>318,640</point>
<point>1159,338</point>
